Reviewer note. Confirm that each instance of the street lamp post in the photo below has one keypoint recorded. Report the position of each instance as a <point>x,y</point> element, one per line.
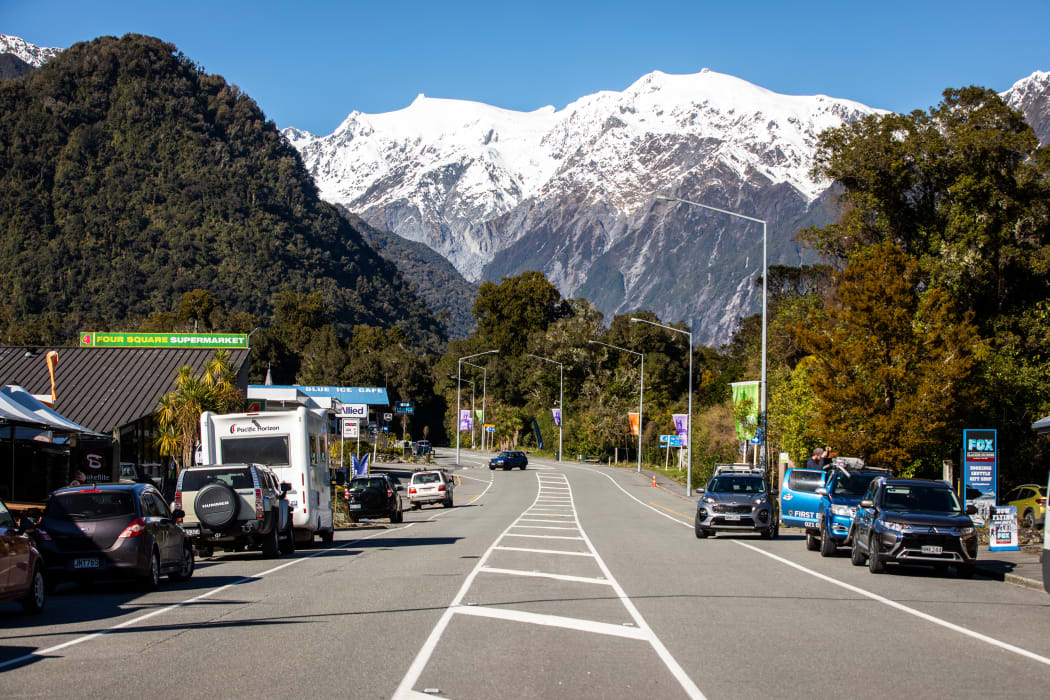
<point>484,397</point>
<point>459,374</point>
<point>689,439</point>
<point>641,392</point>
<point>765,276</point>
<point>561,396</point>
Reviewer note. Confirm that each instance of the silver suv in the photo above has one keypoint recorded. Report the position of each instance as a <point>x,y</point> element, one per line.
<point>737,499</point>
<point>432,486</point>
<point>235,506</point>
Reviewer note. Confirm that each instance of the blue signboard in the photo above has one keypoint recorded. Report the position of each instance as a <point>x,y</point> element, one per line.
<point>980,471</point>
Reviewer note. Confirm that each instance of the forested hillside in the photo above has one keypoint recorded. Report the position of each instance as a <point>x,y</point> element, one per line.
<point>130,176</point>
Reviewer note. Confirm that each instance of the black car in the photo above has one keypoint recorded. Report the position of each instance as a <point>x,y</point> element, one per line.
<point>112,530</point>
<point>913,521</point>
<point>509,459</point>
<point>374,496</point>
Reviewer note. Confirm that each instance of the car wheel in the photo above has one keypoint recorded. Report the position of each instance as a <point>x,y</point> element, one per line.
<point>827,545</point>
<point>767,534</point>
<point>492,467</point>
<point>506,469</point>
<point>776,529</point>
<point>523,467</point>
<point>856,557</point>
<point>271,547</point>
<point>188,564</point>
<point>812,543</point>
<point>1029,519</point>
<point>701,533</point>
<point>875,563</point>
<point>397,516</point>
<point>33,602</point>
<point>328,535</point>
<point>206,550</point>
<point>448,502</point>
<point>151,580</point>
<point>416,506</point>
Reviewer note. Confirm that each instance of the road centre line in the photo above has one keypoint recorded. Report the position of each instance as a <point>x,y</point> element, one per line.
<point>668,509</point>
<point>544,574</point>
<point>545,551</point>
<point>405,688</point>
<point>868,594</point>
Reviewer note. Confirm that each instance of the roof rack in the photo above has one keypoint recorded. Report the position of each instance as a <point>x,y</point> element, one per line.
<point>737,469</point>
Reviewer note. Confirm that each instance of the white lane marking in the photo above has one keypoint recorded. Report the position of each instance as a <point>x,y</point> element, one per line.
<point>868,594</point>
<point>544,574</point>
<point>904,608</point>
<point>542,537</point>
<point>552,515</point>
<point>43,653</point>
<point>545,551</point>
<point>539,520</point>
<point>571,623</point>
<point>545,527</point>
<point>474,478</point>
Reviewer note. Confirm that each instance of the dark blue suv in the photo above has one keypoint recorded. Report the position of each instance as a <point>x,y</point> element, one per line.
<point>913,521</point>
<point>839,497</point>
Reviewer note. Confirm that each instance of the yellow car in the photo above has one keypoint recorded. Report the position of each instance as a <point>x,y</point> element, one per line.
<point>1030,500</point>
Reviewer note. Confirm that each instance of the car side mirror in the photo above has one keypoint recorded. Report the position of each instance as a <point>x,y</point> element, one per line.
<point>971,509</point>
<point>178,514</point>
<point>821,491</point>
<point>700,491</point>
<point>867,503</point>
<point>285,487</point>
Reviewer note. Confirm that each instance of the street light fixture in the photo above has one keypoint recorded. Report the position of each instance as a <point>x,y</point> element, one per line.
<point>459,373</point>
<point>561,396</point>
<point>765,277</point>
<point>484,397</point>
<point>689,439</point>
<point>641,392</point>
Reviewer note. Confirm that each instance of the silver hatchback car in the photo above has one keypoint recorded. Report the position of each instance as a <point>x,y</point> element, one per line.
<point>737,499</point>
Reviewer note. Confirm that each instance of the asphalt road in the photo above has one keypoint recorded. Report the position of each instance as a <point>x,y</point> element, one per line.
<point>558,581</point>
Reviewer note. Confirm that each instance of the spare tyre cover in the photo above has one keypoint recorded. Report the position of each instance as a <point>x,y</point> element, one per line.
<point>216,505</point>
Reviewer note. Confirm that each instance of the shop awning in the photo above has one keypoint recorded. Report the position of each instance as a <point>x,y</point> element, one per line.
<point>1042,426</point>
<point>19,407</point>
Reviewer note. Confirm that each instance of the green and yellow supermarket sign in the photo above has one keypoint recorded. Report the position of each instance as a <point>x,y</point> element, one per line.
<point>233,341</point>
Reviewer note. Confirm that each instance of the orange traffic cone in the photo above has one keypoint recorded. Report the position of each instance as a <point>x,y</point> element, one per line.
<point>654,480</point>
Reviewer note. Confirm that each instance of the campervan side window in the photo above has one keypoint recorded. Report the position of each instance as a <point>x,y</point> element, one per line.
<point>271,450</point>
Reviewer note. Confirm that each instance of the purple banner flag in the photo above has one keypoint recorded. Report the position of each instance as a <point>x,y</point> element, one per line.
<point>681,424</point>
<point>465,421</point>
<point>557,416</point>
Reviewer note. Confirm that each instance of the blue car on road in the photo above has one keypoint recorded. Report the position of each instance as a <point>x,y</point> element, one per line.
<point>840,495</point>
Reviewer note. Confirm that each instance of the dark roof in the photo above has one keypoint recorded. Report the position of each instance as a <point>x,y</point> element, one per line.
<point>106,388</point>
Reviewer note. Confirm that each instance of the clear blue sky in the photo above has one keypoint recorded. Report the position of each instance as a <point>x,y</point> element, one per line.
<point>310,63</point>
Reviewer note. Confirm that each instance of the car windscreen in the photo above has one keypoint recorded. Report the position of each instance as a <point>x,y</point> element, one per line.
<point>805,480</point>
<point>269,450</point>
<point>90,505</point>
<point>852,485</point>
<point>196,479</point>
<point>920,497</point>
<point>505,455</point>
<point>737,484</point>
<point>368,483</point>
<point>427,478</point>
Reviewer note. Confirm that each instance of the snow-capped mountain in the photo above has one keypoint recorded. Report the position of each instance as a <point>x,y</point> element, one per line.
<point>572,192</point>
<point>1031,96</point>
<point>35,56</point>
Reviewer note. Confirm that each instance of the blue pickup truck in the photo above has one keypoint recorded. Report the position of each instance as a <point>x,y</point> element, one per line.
<point>839,497</point>
<point>799,499</point>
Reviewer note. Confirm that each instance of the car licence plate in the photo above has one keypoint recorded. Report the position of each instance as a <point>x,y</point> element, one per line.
<point>85,563</point>
<point>191,530</point>
<point>932,549</point>
<point>354,506</point>
<point>732,517</point>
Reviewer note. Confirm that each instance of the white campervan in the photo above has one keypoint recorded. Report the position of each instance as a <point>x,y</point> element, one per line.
<point>292,443</point>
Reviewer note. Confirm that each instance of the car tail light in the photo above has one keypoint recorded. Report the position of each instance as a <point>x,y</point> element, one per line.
<point>411,490</point>
<point>258,504</point>
<point>1041,501</point>
<point>136,528</point>
<point>441,487</point>
<point>178,500</point>
<point>389,493</point>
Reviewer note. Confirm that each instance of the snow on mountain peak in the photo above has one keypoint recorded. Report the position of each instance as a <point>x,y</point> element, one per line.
<point>35,56</point>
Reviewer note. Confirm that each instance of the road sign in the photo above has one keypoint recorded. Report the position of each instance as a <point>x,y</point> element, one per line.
<point>670,441</point>
<point>388,417</point>
<point>351,428</point>
<point>490,428</point>
<point>405,407</point>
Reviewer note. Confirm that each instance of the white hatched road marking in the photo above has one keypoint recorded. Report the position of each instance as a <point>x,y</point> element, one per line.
<point>545,551</point>
<point>543,574</point>
<point>641,629</point>
<point>545,527</point>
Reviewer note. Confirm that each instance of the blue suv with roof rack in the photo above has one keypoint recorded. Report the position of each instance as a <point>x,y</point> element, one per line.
<point>847,482</point>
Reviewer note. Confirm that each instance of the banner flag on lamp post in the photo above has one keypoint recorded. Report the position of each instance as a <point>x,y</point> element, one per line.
<point>633,419</point>
<point>746,393</point>
<point>681,424</point>
<point>465,422</point>
<point>556,412</point>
